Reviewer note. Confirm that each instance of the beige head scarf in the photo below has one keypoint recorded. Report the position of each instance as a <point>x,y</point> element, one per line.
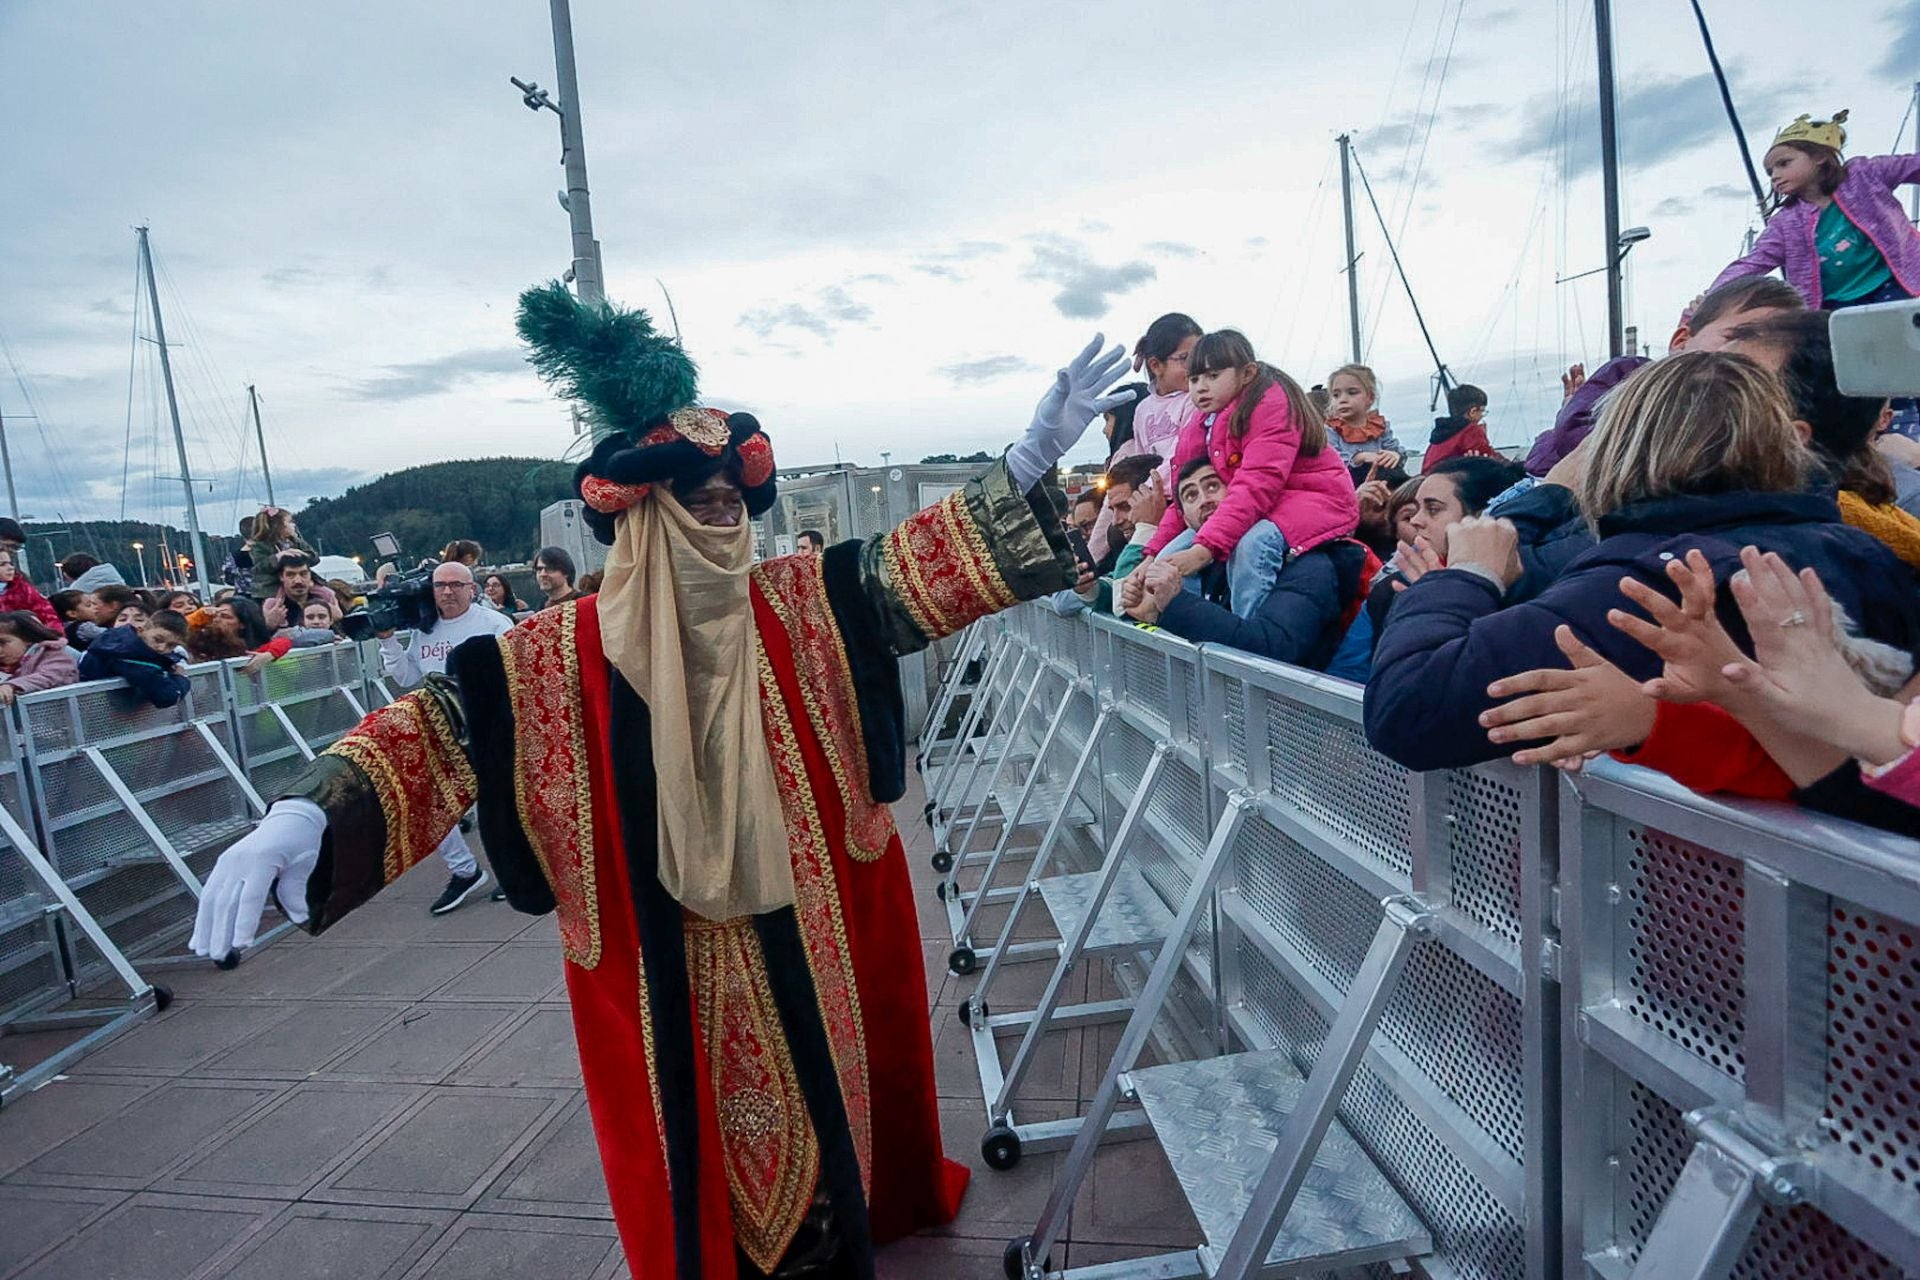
<point>676,620</point>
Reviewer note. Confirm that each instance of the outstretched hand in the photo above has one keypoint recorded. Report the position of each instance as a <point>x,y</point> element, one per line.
<point>1064,413</point>
<point>1593,708</point>
<point>1687,636</point>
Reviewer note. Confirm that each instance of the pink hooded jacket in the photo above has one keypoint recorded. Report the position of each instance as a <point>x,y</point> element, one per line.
<point>1310,499</point>
<point>1866,196</point>
<point>46,665</point>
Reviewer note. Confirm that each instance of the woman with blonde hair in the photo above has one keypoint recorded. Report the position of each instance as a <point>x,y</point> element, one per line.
<point>1698,451</point>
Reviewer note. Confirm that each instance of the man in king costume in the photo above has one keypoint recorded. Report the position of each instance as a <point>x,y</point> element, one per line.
<point>693,771</point>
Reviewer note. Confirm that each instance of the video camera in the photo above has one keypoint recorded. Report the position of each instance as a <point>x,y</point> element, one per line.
<point>403,603</point>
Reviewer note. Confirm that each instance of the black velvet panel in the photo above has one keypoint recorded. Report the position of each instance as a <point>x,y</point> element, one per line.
<point>876,672</point>
<point>799,1005</point>
<point>476,667</point>
<point>663,951</point>
<point>353,850</point>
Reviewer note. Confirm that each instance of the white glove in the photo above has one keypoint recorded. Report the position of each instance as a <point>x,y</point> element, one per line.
<point>1064,413</point>
<point>284,847</point>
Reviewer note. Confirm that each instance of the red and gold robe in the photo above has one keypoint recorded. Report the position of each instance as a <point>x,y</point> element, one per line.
<point>741,1074</point>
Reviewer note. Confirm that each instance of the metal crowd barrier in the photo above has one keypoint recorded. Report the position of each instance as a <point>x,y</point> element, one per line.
<point>113,810</point>
<point>1352,979</point>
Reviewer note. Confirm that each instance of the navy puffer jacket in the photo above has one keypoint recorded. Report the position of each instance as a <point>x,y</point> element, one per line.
<point>1447,637</point>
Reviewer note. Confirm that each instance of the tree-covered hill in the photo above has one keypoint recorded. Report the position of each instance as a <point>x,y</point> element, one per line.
<point>495,501</point>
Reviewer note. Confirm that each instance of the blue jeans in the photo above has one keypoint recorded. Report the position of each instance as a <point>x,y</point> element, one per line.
<point>1251,569</point>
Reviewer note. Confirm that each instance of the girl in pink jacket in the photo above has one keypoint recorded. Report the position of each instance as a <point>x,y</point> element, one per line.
<point>33,656</point>
<point>1162,353</point>
<point>1287,492</point>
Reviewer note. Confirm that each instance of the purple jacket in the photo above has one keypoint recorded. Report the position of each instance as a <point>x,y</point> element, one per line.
<point>1866,196</point>
<point>1575,419</point>
<point>1310,498</point>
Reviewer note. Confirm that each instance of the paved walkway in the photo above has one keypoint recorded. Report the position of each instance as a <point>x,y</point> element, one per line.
<point>401,1099</point>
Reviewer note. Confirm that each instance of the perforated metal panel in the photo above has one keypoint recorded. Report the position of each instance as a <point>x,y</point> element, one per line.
<point>1483,838</point>
<point>1873,1044</point>
<point>1234,735</point>
<point>1684,944</point>
<point>1324,768</point>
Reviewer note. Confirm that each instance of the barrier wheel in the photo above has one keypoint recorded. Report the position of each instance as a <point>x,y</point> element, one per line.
<point>964,1011</point>
<point>1010,1260</point>
<point>1000,1148</point>
<point>961,961</point>
<point>229,961</point>
<point>942,861</point>
<point>162,997</point>
<point>940,890</point>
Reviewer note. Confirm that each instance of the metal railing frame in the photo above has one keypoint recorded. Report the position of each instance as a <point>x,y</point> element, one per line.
<point>1494,865</point>
<point>209,723</point>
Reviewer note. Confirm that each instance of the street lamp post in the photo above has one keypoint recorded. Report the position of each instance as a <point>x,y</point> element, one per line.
<point>140,549</point>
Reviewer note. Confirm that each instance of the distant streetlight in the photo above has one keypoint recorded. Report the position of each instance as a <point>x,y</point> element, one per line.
<point>140,549</point>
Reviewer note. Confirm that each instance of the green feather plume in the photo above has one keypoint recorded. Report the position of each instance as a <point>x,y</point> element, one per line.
<point>624,374</point>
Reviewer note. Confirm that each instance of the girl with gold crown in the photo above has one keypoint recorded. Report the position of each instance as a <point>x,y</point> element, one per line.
<point>1838,235</point>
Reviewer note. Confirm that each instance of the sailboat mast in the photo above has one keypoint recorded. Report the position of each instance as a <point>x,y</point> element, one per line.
<point>253,399</point>
<point>6,464</point>
<point>1610,176</point>
<point>1353,278</point>
<point>173,411</point>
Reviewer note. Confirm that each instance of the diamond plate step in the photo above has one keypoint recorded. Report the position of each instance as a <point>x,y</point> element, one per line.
<point>1132,917</point>
<point>1219,1120</point>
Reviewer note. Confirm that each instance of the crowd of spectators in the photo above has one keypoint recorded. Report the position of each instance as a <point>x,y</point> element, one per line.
<point>1705,563</point>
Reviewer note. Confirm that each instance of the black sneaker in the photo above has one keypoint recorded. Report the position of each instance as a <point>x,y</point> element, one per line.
<point>498,895</point>
<point>458,887</point>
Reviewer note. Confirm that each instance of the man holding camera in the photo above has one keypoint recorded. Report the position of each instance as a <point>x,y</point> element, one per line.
<point>426,655</point>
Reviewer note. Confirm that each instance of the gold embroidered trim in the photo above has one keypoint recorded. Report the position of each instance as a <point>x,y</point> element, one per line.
<point>419,774</point>
<point>823,926</point>
<point>770,1150</point>
<point>551,778</point>
<point>820,661</point>
<point>979,561</point>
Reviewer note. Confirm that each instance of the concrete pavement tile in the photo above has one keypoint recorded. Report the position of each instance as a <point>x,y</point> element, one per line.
<point>998,1205</point>
<point>558,1175</point>
<point>941,1258</point>
<point>337,1242</point>
<point>520,971</point>
<point>282,1151</point>
<point>539,1049</point>
<point>411,972</point>
<point>296,1047</point>
<point>295,969</point>
<point>37,1218</point>
<point>543,929</point>
<point>182,1038</point>
<point>423,1044</point>
<point>130,1149</point>
<point>445,1151</point>
<point>58,1110</point>
<point>1131,1197</point>
<point>152,1237</point>
<point>503,1247</point>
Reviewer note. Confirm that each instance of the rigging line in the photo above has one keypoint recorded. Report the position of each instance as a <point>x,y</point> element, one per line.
<point>1446,379</point>
<point>50,460</point>
<point>1426,136</point>
<point>1314,208</point>
<point>1900,134</point>
<point>1733,116</point>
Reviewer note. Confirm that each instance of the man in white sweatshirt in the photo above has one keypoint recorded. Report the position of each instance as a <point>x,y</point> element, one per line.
<point>426,654</point>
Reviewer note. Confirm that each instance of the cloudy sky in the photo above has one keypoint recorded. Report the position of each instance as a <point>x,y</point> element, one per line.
<point>882,224</point>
